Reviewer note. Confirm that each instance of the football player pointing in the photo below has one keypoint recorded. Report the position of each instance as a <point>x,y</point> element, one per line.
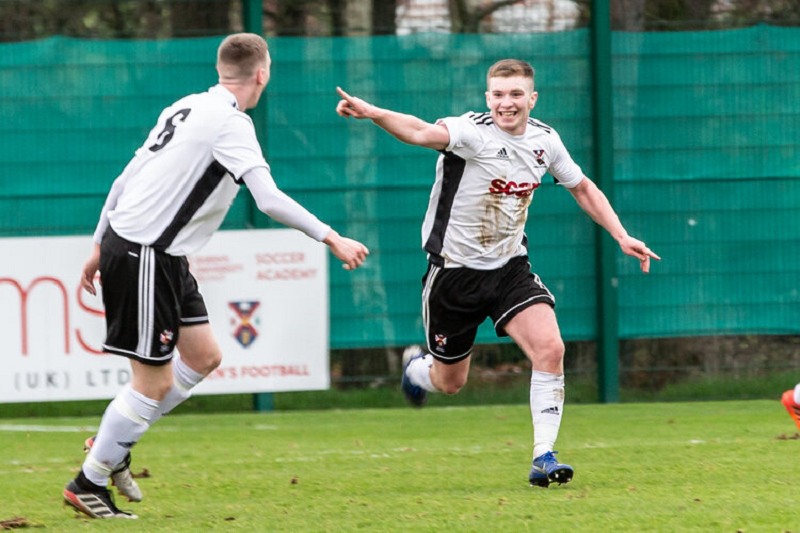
<point>488,170</point>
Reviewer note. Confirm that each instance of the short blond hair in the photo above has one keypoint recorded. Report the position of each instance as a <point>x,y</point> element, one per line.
<point>240,55</point>
<point>508,68</point>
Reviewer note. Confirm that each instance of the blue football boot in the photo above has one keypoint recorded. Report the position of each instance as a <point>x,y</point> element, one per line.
<point>546,469</point>
<point>417,396</point>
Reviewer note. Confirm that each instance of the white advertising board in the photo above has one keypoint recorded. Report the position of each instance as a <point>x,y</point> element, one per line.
<point>267,297</point>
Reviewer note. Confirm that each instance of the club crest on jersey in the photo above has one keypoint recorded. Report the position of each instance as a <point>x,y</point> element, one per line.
<point>244,322</point>
<point>539,155</point>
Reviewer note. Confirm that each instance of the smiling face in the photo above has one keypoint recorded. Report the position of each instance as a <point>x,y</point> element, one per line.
<point>510,99</point>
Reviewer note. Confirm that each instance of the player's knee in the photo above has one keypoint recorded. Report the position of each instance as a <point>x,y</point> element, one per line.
<point>158,389</point>
<point>211,360</point>
<point>452,386</point>
<point>215,360</point>
<point>203,362</point>
<point>552,353</point>
<point>556,350</point>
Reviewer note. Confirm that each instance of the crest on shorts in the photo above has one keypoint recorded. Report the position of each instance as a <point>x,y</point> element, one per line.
<point>441,340</point>
<point>245,321</point>
<point>539,155</point>
<point>166,336</point>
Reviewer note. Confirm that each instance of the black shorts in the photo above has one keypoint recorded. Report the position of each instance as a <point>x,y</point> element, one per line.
<point>148,296</point>
<point>455,301</point>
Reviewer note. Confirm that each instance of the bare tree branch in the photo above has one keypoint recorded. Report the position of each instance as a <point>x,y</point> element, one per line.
<point>484,11</point>
<point>459,14</point>
<point>464,21</point>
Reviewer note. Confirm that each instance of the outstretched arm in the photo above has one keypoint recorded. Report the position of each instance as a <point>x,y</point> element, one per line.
<point>407,128</point>
<point>275,203</point>
<point>594,202</point>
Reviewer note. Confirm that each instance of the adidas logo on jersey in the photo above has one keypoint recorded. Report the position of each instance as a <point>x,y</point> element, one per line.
<point>502,154</point>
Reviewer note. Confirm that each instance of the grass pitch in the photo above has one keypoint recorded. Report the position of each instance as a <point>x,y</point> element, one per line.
<point>715,466</point>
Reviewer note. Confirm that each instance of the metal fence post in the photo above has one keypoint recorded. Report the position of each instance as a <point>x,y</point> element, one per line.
<point>263,401</point>
<point>606,249</point>
<point>252,13</point>
<point>251,16</point>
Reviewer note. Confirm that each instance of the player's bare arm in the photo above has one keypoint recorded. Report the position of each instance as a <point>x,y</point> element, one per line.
<point>596,205</point>
<point>90,268</point>
<point>350,252</point>
<point>406,128</point>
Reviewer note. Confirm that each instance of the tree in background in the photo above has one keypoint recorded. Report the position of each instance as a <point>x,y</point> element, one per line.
<point>682,15</point>
<point>778,12</point>
<point>384,17</point>
<point>22,20</point>
<point>191,18</point>
<point>466,16</point>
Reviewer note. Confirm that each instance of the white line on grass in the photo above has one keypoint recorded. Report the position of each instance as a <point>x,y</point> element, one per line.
<point>20,428</point>
<point>47,429</point>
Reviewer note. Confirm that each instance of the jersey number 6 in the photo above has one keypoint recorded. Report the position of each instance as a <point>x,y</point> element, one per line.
<point>169,129</point>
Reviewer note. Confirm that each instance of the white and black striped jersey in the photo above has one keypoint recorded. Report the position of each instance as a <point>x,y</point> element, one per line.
<point>176,190</point>
<point>485,180</point>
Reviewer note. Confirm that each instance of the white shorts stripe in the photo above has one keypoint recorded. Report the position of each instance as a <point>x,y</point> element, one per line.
<point>195,319</point>
<point>120,351</point>
<point>139,300</point>
<point>462,356</point>
<point>151,297</point>
<point>147,270</point>
<point>426,293</point>
<point>539,297</point>
<point>538,281</point>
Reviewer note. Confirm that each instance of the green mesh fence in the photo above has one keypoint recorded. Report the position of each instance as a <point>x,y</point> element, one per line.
<point>706,140</point>
<point>707,169</point>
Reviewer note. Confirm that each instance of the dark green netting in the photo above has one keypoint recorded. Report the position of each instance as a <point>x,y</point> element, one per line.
<point>707,167</point>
